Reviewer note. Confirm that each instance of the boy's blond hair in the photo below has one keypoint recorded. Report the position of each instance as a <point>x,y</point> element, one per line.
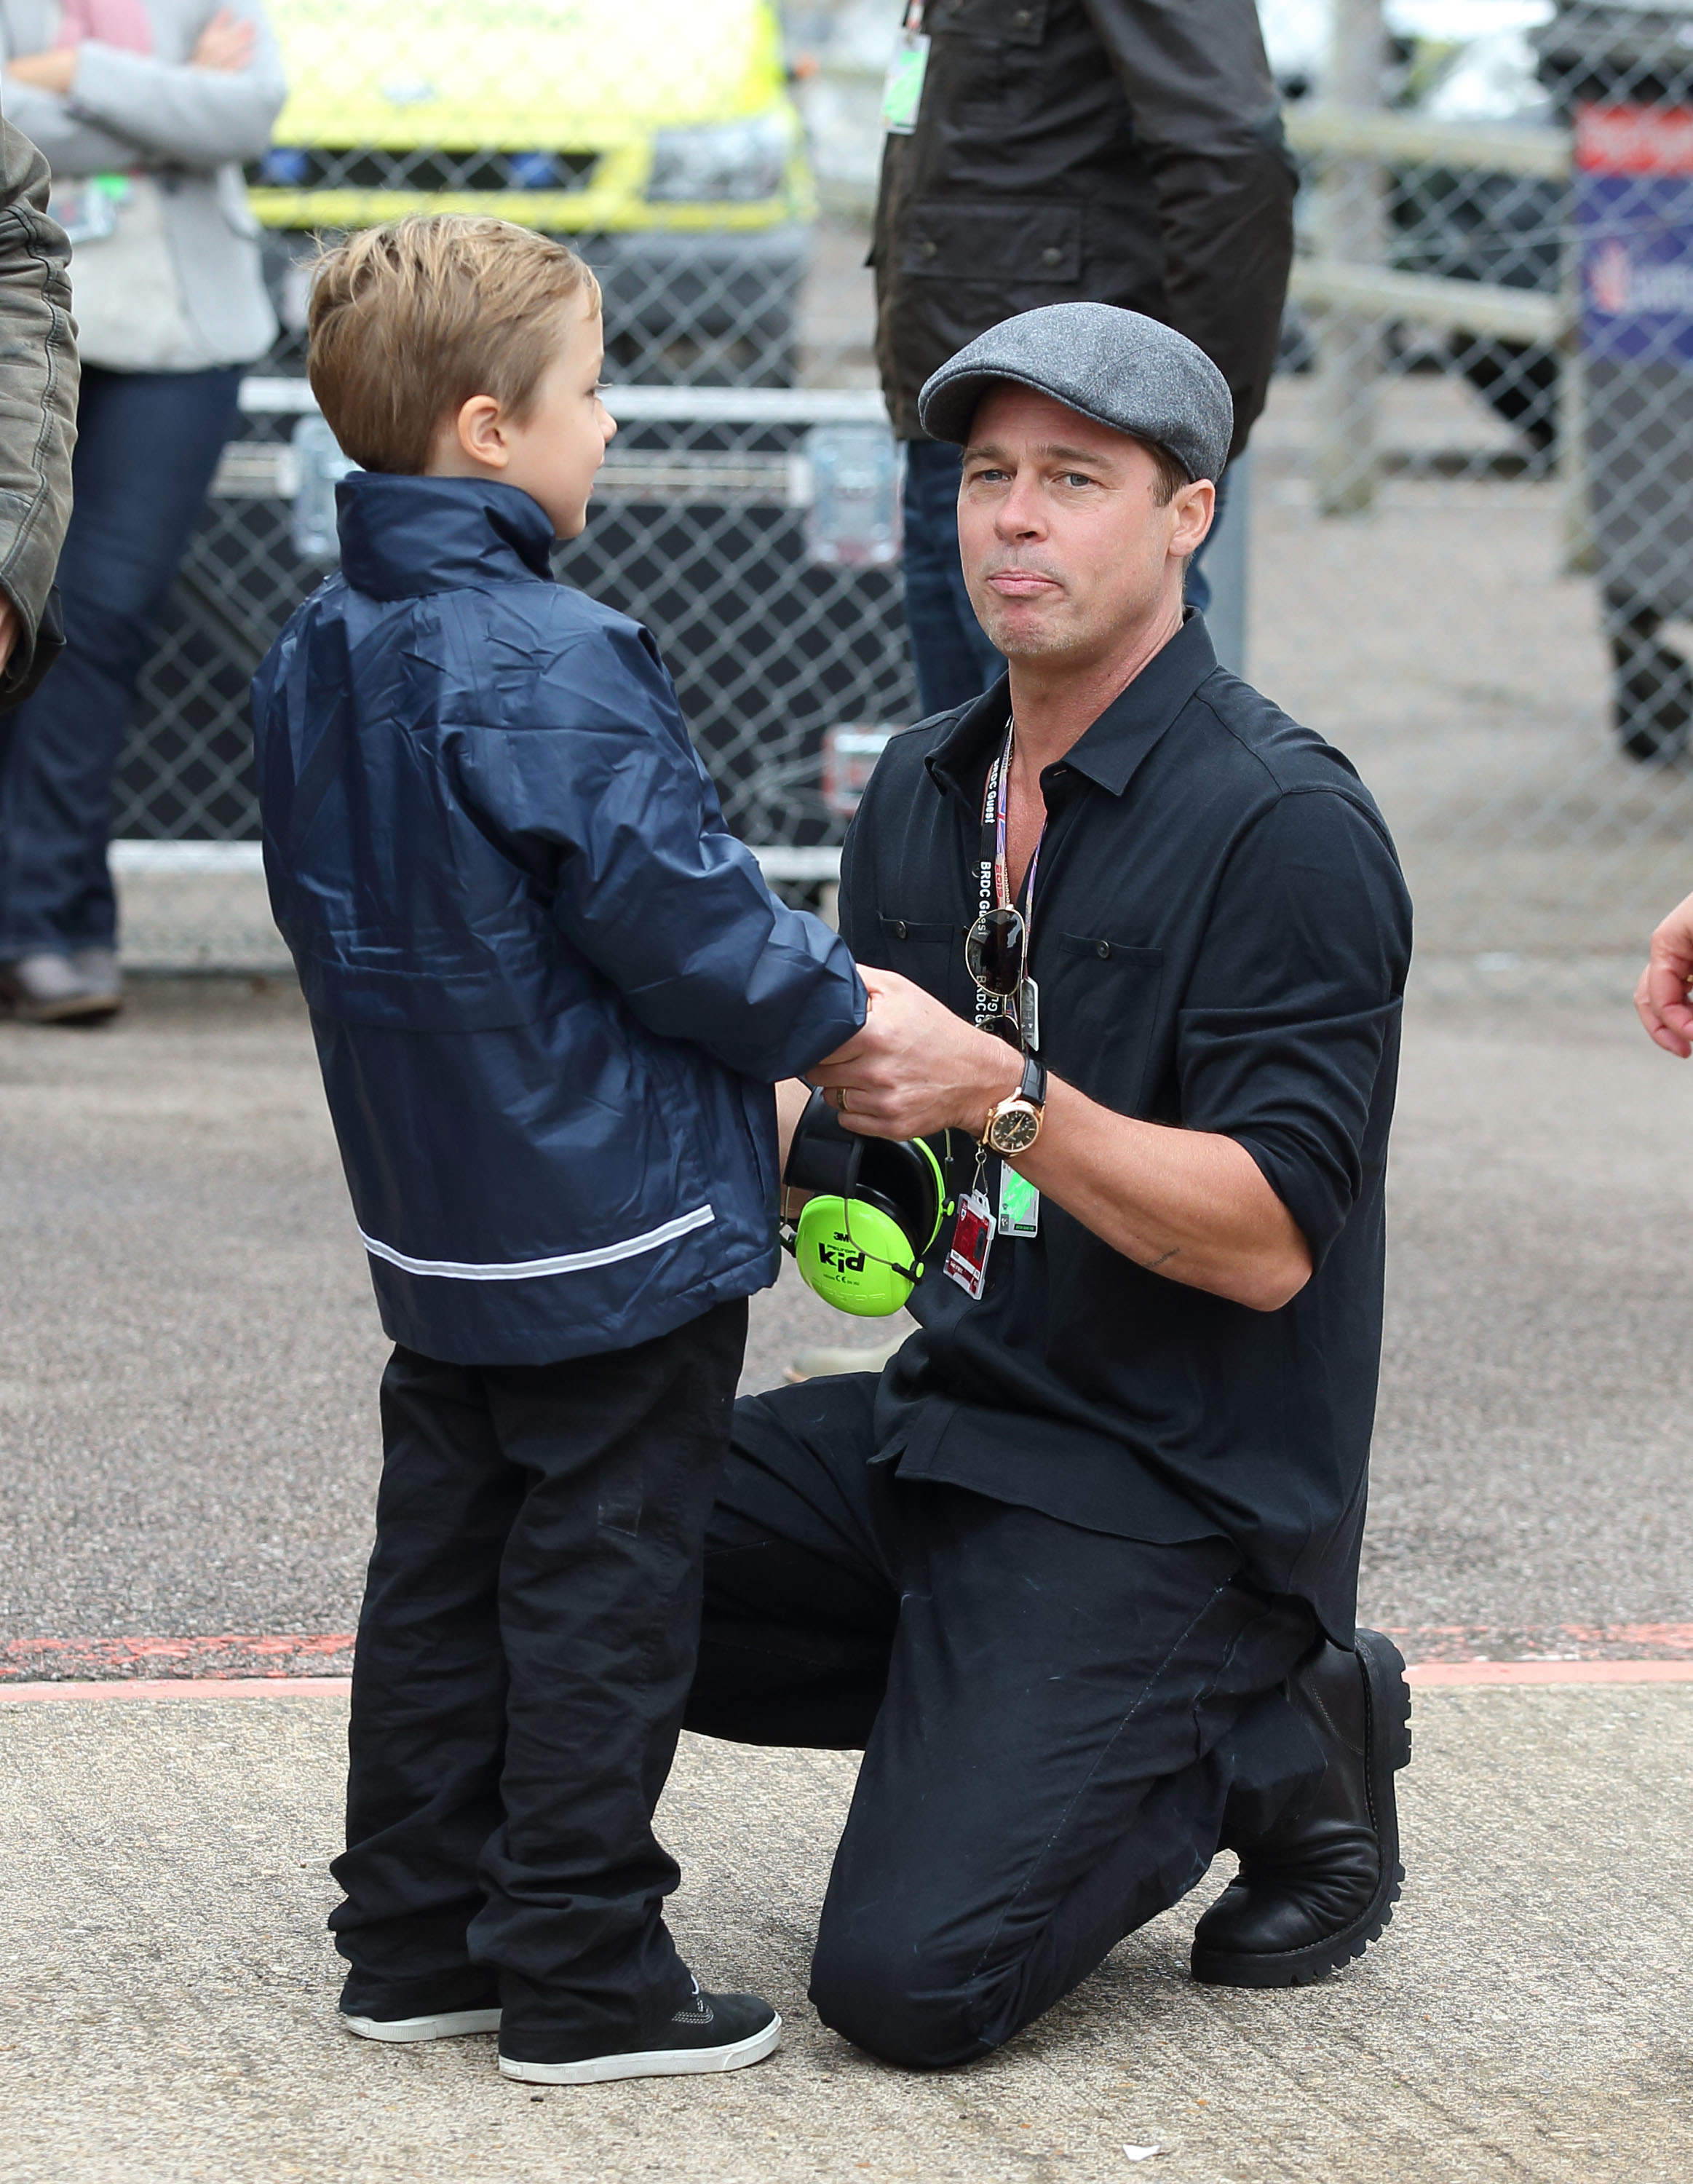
<point>410,321</point>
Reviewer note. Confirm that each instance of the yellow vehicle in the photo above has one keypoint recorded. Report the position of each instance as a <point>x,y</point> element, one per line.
<point>657,135</point>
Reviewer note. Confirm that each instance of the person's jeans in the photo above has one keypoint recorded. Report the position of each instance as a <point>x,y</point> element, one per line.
<point>1060,1727</point>
<point>524,1648</point>
<point>147,443</point>
<point>950,655</point>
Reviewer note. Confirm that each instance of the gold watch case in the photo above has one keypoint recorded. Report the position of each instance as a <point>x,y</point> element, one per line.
<point>1012,1126</point>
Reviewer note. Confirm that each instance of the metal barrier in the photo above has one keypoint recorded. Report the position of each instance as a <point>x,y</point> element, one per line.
<point>703,528</point>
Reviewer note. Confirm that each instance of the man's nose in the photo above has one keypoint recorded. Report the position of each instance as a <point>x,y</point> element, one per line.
<point>1019,513</point>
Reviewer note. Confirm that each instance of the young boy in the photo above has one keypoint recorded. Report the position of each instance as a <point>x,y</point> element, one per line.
<point>550,994</point>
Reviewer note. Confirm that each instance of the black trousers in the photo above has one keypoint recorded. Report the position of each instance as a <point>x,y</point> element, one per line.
<point>525,1650</point>
<point>1060,1728</point>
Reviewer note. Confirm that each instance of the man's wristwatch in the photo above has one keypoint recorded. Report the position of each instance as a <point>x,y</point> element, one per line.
<point>1014,1124</point>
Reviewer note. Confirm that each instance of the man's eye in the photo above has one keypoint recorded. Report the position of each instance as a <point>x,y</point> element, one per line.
<point>1077,477</point>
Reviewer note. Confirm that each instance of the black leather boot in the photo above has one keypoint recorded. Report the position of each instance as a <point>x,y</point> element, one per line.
<point>1317,1890</point>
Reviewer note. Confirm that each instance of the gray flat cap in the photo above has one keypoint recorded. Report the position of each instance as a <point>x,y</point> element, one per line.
<point>1118,367</point>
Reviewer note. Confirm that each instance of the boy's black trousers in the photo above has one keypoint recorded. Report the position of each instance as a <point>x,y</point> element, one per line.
<point>525,1649</point>
<point>1061,1727</point>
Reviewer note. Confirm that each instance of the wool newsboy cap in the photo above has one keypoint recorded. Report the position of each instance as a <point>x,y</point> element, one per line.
<point>1118,367</point>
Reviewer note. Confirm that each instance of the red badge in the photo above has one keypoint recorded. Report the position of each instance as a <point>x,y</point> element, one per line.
<point>966,1262</point>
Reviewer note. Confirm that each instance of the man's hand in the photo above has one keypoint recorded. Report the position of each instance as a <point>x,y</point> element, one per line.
<point>1661,996</point>
<point>914,1067</point>
<point>8,631</point>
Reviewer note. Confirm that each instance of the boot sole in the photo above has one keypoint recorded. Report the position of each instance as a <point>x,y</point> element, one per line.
<point>444,2024</point>
<point>1387,1707</point>
<point>649,2062</point>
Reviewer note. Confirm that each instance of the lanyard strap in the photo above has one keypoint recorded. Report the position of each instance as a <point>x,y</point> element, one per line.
<point>994,870</point>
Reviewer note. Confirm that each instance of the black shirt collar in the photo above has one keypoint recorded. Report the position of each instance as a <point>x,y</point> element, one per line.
<point>1111,750</point>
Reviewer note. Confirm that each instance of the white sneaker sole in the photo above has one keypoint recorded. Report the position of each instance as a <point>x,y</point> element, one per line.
<point>651,2063</point>
<point>448,2024</point>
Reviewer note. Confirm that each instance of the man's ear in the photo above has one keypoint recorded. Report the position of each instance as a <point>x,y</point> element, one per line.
<point>480,428</point>
<point>1194,506</point>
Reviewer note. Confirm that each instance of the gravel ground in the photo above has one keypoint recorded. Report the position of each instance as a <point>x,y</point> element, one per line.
<point>190,1351</point>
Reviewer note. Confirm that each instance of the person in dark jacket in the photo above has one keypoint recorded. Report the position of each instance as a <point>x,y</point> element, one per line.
<point>551,994</point>
<point>1054,151</point>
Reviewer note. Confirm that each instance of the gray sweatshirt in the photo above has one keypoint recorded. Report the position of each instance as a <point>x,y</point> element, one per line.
<point>185,133</point>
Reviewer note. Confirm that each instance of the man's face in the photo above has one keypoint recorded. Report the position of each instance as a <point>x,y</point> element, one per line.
<point>1066,553</point>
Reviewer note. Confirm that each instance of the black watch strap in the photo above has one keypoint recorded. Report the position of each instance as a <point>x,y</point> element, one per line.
<point>1033,1086</point>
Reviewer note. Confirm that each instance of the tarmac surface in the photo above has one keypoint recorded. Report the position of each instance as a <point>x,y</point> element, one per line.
<point>187,1449</point>
<point>187,1376</point>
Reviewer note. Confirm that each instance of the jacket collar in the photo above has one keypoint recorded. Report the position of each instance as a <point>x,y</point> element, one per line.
<point>403,536</point>
<point>1111,750</point>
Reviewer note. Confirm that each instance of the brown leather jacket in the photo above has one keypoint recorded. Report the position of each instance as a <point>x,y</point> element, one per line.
<point>1114,151</point>
<point>38,383</point>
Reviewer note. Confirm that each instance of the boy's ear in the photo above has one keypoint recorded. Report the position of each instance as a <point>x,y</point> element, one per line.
<point>479,429</point>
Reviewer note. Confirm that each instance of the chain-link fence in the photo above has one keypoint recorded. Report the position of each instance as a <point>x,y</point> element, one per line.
<point>1470,543</point>
<point>719,521</point>
<point>1484,466</point>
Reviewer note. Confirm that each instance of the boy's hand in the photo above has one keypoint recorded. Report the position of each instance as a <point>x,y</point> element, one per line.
<point>791,1095</point>
<point>914,1067</point>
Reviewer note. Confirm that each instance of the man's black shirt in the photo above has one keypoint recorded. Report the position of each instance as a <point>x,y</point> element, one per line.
<point>1221,936</point>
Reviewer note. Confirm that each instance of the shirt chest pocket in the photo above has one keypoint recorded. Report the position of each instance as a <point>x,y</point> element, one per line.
<point>1006,22</point>
<point>1098,1015</point>
<point>931,956</point>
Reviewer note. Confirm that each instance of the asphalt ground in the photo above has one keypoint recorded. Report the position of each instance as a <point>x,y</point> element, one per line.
<point>189,1350</point>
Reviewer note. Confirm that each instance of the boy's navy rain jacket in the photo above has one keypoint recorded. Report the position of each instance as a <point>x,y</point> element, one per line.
<point>550,990</point>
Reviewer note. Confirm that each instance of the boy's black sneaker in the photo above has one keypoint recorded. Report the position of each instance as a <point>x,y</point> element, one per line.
<point>418,2011</point>
<point>711,2032</point>
<point>439,2024</point>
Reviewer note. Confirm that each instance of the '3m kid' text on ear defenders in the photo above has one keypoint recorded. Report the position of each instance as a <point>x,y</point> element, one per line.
<point>859,1241</point>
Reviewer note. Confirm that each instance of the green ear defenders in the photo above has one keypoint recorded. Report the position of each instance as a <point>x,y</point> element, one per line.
<point>859,1241</point>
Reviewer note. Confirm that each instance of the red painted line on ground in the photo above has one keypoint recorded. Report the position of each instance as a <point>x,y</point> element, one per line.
<point>1425,1674</point>
<point>229,1653</point>
<point>1553,1642</point>
<point>185,1687</point>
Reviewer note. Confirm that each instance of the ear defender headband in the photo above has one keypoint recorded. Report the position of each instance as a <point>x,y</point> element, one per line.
<point>859,1241</point>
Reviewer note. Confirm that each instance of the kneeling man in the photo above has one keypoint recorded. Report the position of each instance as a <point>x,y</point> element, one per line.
<point>1077,1570</point>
